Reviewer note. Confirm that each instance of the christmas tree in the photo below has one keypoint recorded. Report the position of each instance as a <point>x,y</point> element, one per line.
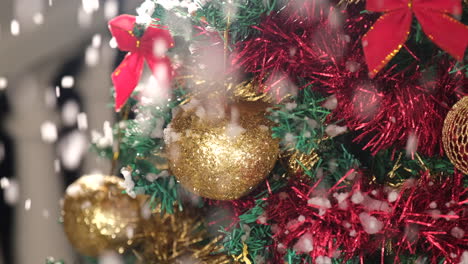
<point>283,131</point>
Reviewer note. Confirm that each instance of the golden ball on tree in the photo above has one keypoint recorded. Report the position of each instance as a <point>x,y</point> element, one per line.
<point>97,216</point>
<point>455,135</point>
<point>221,151</point>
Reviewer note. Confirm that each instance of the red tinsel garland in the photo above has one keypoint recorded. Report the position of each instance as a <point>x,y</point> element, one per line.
<point>428,215</point>
<point>398,106</point>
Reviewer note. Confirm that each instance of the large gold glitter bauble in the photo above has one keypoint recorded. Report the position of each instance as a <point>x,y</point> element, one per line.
<point>97,216</point>
<point>455,135</point>
<point>221,152</point>
<point>179,238</point>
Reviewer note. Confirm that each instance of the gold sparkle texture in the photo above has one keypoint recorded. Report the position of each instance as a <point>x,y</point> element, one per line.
<point>179,238</point>
<point>455,135</point>
<point>97,216</point>
<point>221,153</point>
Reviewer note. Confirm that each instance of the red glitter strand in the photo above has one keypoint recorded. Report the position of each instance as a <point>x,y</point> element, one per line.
<point>291,43</point>
<point>424,215</point>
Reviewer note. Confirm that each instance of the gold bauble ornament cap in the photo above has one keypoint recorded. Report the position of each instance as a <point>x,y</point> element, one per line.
<point>455,135</point>
<point>97,216</point>
<point>221,151</point>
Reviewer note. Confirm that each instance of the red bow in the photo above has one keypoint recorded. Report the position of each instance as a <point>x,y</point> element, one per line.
<point>386,37</point>
<point>128,73</point>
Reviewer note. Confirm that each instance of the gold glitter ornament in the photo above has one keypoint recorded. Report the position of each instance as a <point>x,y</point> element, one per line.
<point>97,216</point>
<point>455,135</point>
<point>221,152</point>
<point>179,238</point>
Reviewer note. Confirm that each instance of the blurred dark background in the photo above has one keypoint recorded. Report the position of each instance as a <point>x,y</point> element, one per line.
<point>55,65</point>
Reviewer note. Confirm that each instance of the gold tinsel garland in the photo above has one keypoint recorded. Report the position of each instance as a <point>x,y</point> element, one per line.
<point>179,238</point>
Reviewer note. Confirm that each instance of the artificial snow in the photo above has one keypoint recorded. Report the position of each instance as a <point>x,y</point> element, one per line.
<point>49,132</point>
<point>67,81</point>
<point>433,205</point>
<point>304,244</point>
<point>323,260</point>
<point>392,196</point>
<point>82,120</point>
<point>145,211</point>
<point>128,183</point>
<point>322,202</point>
<point>234,130</point>
<point>334,130</point>
<point>110,257</point>
<point>15,27</point>
<point>301,218</point>
<point>247,230</point>
<point>151,177</point>
<point>90,6</point>
<point>357,197</point>
<point>27,204</point>
<point>70,112</point>
<point>10,190</point>
<point>371,224</point>
<point>262,219</point>
<point>103,140</point>
<point>311,122</point>
<point>289,138</point>
<point>111,9</point>
<point>72,148</point>
<point>376,205</point>
<point>38,18</point>
<point>3,83</point>
<point>290,106</point>
<point>411,145</point>
<point>457,232</point>
<point>464,257</point>
<point>352,66</point>
<point>330,103</point>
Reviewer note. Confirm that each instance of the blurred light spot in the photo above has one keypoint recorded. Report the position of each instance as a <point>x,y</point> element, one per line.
<point>49,97</point>
<point>3,83</point>
<point>48,132</point>
<point>14,27</point>
<point>71,149</point>
<point>89,6</point>
<point>50,3</point>
<point>92,56</point>
<point>38,19</point>
<point>70,112</point>
<point>111,8</point>
<point>84,19</point>
<point>68,81</point>
<point>11,190</point>
<point>97,40</point>
<point>4,182</point>
<point>82,120</point>
<point>113,43</point>
<point>57,91</point>
<point>27,204</point>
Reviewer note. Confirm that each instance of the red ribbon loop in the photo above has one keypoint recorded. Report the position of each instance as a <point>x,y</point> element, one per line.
<point>387,36</point>
<point>127,75</point>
